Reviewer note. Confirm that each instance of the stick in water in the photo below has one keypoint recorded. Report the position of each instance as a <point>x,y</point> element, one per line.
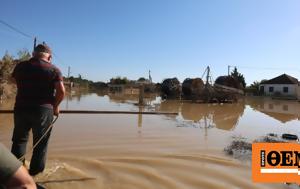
<point>101,112</point>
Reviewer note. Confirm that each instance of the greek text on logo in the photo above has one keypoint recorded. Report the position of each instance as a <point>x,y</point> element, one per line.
<point>276,162</point>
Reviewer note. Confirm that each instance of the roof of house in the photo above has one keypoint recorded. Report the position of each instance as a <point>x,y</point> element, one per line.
<point>282,79</point>
<point>283,118</point>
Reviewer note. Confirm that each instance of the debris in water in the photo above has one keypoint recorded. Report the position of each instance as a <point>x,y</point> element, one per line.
<point>241,149</point>
<point>195,124</point>
<point>170,88</point>
<point>289,137</point>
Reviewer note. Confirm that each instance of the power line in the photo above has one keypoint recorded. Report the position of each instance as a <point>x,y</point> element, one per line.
<point>16,29</point>
<point>267,68</point>
<point>28,36</point>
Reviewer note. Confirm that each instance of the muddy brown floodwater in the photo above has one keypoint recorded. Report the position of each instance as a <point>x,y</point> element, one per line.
<point>156,151</point>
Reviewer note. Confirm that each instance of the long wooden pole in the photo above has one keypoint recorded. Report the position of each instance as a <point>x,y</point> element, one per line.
<point>101,112</point>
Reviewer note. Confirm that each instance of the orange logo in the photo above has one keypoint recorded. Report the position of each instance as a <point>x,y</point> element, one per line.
<point>276,162</point>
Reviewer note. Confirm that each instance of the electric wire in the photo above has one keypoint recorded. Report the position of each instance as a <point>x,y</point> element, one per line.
<point>59,60</point>
<point>62,63</point>
<point>16,29</point>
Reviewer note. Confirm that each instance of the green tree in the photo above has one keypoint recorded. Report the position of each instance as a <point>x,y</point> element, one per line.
<point>1,71</point>
<point>141,79</point>
<point>238,76</point>
<point>254,88</point>
<point>23,55</point>
<point>6,65</point>
<point>119,81</point>
<point>7,58</point>
<point>255,85</point>
<point>71,78</point>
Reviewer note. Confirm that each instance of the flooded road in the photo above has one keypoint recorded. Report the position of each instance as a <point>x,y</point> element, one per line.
<point>156,151</point>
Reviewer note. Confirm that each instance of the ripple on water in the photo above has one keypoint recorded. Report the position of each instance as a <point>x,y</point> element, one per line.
<point>170,171</point>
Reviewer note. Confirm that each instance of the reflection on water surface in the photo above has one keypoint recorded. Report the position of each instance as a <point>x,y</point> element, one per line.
<point>149,151</point>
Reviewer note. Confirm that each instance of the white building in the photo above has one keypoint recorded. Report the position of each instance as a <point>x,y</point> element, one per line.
<point>281,86</point>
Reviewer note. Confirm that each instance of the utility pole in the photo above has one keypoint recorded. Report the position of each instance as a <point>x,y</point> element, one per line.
<point>207,75</point>
<point>69,71</point>
<point>229,69</point>
<point>34,43</point>
<point>150,78</point>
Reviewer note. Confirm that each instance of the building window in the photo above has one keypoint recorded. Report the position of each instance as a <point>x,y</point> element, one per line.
<point>285,89</point>
<point>271,89</point>
<point>271,106</point>
<point>285,107</point>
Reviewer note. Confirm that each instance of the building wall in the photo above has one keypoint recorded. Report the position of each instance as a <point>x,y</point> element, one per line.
<point>293,89</point>
<point>298,92</point>
<point>132,90</point>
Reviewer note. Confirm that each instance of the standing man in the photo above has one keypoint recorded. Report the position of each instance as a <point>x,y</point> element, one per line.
<point>40,91</point>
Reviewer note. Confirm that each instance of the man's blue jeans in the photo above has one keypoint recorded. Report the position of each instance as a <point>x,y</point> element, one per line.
<point>38,119</point>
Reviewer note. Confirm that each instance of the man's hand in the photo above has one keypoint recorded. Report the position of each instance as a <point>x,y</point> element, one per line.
<point>56,111</point>
<point>59,96</point>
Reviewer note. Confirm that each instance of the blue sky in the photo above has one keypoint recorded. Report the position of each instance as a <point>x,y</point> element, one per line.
<point>173,38</point>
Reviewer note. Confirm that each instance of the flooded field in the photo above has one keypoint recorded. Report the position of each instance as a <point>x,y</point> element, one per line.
<point>156,151</point>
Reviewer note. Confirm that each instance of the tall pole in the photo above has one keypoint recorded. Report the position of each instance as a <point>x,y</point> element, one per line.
<point>228,69</point>
<point>34,43</point>
<point>69,71</point>
<point>207,76</point>
<point>150,78</point>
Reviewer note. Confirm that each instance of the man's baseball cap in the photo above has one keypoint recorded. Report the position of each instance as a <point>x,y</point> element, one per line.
<point>42,48</point>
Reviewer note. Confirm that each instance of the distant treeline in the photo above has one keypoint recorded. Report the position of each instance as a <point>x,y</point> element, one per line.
<point>8,62</point>
<point>80,81</point>
<point>85,83</point>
